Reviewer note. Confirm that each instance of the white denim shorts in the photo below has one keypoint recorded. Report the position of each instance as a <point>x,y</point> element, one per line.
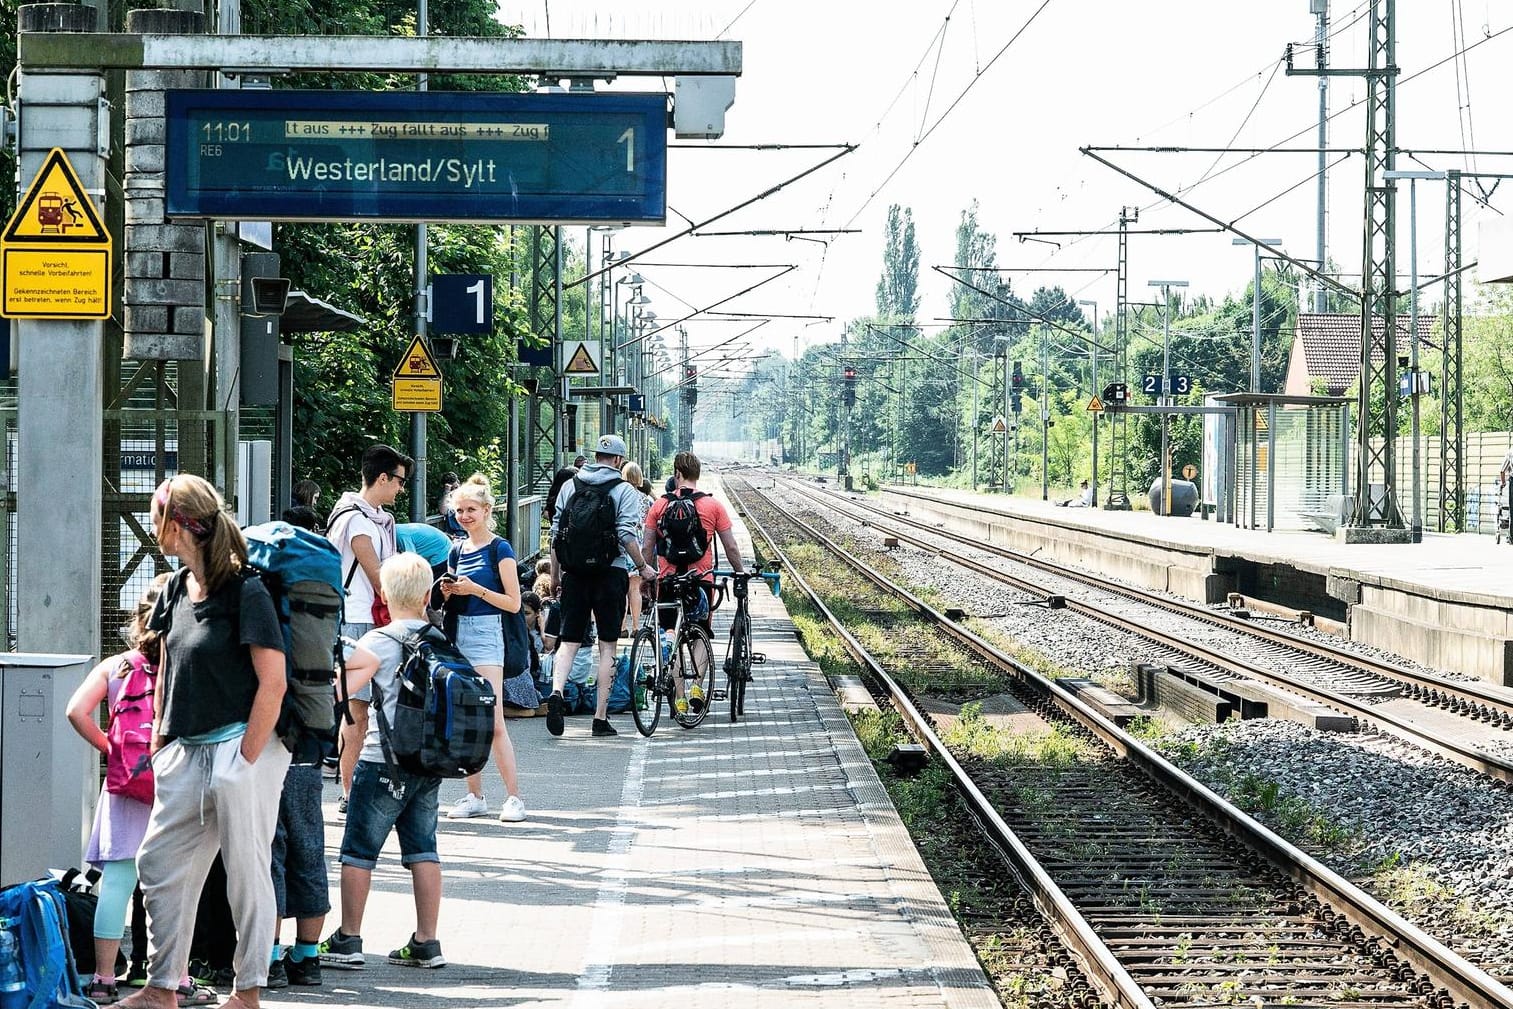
<point>481,639</point>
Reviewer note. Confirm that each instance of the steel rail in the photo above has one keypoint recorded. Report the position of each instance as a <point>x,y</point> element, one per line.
<point>1492,697</point>
<point>1461,753</point>
<point>1443,966</point>
<point>1114,983</point>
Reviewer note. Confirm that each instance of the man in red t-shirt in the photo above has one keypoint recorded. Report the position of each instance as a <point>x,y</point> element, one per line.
<point>716,522</point>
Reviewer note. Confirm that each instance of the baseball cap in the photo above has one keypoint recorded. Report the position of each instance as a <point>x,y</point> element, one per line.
<point>611,444</point>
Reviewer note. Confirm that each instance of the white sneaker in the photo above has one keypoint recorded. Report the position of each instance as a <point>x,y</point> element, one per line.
<point>513,810</point>
<point>469,805</point>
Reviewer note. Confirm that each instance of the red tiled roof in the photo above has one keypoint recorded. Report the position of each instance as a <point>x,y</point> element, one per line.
<point>1332,345</point>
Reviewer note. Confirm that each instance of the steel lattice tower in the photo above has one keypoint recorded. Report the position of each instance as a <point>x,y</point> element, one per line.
<point>1377,422</point>
<point>1118,478</point>
<point>545,432</point>
<point>1452,496</point>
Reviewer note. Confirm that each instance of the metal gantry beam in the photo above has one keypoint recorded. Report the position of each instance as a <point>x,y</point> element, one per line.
<point>263,54</point>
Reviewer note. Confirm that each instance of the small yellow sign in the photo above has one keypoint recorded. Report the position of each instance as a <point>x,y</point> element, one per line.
<point>1095,405</point>
<point>999,427</point>
<point>581,362</point>
<point>417,363</point>
<point>1189,471</point>
<point>417,395</point>
<point>55,209</point>
<point>57,255</point>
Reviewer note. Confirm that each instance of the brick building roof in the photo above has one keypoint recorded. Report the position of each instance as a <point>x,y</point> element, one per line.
<point>1331,344</point>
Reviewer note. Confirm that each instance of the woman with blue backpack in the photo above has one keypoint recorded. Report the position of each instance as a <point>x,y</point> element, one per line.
<point>482,590</point>
<point>125,683</point>
<point>218,765</point>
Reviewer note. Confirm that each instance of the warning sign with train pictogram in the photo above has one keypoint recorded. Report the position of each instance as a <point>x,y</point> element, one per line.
<point>56,252</point>
<point>417,380</point>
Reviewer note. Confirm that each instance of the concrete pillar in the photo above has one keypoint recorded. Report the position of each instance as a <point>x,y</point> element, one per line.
<point>59,461</point>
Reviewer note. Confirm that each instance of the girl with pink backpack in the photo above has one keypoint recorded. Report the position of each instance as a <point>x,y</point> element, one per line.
<point>125,683</point>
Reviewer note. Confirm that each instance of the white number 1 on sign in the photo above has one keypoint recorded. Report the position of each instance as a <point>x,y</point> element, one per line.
<point>477,292</point>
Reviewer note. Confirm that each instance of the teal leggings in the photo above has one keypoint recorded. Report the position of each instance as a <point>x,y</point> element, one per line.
<point>117,880</point>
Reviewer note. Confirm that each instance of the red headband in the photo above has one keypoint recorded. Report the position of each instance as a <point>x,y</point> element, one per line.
<point>173,511</point>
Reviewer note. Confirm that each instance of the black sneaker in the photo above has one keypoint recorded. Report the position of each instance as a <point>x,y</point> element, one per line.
<point>341,951</point>
<point>136,975</point>
<point>276,976</point>
<point>304,972</point>
<point>554,722</point>
<point>419,954</point>
<point>603,728</point>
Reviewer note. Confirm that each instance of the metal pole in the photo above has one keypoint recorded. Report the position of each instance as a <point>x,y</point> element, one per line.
<point>976,423</point>
<point>1255,326</point>
<point>1321,43</point>
<point>417,419</point>
<point>1093,353</point>
<point>1418,490</point>
<point>1045,416</point>
<point>1166,382</point>
<point>1008,481</point>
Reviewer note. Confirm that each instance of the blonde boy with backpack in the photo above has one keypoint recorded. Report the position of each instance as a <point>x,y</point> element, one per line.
<point>384,798</point>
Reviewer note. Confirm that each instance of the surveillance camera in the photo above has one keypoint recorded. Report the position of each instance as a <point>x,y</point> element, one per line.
<point>269,295</point>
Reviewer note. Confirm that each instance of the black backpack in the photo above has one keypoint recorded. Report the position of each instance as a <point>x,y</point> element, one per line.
<point>681,536</point>
<point>587,541</point>
<point>444,714</point>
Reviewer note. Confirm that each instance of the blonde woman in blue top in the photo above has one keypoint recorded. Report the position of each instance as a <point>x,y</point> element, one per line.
<point>484,584</point>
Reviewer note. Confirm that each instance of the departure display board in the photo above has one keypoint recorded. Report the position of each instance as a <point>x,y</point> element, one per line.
<point>417,156</point>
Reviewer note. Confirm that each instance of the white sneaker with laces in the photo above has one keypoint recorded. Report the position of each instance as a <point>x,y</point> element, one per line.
<point>467,806</point>
<point>513,810</point>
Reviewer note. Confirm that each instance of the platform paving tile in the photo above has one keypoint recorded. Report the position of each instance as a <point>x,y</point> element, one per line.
<point>754,865</point>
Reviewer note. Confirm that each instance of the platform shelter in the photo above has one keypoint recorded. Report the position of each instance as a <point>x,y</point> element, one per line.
<point>1291,461</point>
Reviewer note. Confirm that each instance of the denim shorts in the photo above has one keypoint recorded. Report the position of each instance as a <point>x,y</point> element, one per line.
<point>481,639</point>
<point>299,847</point>
<point>355,632</point>
<point>373,811</point>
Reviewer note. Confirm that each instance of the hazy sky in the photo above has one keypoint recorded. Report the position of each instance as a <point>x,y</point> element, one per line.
<point>948,107</point>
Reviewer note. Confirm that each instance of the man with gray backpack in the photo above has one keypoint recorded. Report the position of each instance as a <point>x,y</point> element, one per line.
<point>595,538</point>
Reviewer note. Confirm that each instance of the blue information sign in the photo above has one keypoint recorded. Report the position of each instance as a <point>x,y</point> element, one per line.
<point>417,156</point>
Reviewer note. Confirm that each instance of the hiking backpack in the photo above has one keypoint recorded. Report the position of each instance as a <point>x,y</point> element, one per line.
<point>37,968</point>
<point>302,572</point>
<point>681,536</point>
<point>128,760</point>
<point>587,541</point>
<point>444,713</point>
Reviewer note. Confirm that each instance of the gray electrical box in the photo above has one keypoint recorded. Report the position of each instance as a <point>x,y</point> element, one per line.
<point>49,777</point>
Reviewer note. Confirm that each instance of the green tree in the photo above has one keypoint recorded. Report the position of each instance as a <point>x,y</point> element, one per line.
<point>898,288</point>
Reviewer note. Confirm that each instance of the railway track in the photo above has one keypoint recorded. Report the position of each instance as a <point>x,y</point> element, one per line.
<point>1343,681</point>
<point>1165,894</point>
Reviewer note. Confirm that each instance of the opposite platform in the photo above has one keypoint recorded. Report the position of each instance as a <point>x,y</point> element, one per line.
<point>758,864</point>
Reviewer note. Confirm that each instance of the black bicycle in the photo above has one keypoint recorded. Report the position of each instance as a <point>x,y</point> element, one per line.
<point>739,658</point>
<point>680,670</point>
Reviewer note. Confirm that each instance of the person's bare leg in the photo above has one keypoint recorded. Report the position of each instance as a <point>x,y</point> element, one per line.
<point>355,884</point>
<point>606,679</point>
<point>351,742</point>
<point>426,882</point>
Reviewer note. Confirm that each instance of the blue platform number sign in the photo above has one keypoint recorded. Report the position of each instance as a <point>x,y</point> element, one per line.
<point>1150,384</point>
<point>1182,384</point>
<point>462,303</point>
<point>637,402</point>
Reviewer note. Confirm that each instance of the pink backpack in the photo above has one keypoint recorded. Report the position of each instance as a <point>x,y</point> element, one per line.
<point>128,762</point>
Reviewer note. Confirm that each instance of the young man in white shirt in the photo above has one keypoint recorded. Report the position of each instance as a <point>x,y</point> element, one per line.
<point>364,533</point>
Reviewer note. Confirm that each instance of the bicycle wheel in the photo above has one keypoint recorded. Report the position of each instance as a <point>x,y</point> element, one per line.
<point>645,690</point>
<point>738,664</point>
<point>695,658</point>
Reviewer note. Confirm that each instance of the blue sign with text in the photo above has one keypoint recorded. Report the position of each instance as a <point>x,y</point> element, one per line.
<point>462,303</point>
<point>417,156</point>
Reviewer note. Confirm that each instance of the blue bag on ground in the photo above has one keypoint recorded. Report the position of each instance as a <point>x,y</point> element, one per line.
<point>619,693</point>
<point>37,969</point>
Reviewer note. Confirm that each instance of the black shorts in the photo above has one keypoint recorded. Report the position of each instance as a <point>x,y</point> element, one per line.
<point>603,595</point>
<point>666,618</point>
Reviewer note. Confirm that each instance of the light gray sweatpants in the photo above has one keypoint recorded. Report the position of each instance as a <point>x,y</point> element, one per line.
<point>209,799</point>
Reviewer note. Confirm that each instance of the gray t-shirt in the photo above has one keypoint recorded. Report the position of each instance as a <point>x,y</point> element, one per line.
<point>208,679</point>
<point>385,643</point>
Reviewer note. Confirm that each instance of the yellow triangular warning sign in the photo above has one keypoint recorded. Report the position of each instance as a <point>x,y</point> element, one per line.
<point>417,362</point>
<point>55,209</point>
<point>999,427</point>
<point>581,363</point>
<point>1095,405</point>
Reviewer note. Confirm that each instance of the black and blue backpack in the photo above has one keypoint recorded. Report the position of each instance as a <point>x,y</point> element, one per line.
<point>37,968</point>
<point>302,572</point>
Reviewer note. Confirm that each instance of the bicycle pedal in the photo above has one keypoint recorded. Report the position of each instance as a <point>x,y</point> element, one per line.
<point>758,658</point>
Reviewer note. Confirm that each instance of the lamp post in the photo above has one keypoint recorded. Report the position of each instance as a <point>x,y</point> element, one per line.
<point>1166,388</point>
<point>1092,348</point>
<point>1255,311</point>
<point>1418,471</point>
